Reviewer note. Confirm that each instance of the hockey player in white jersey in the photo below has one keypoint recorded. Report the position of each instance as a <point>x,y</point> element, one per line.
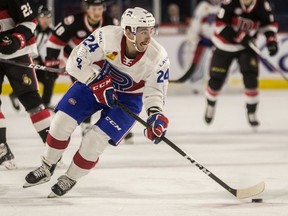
<point>121,63</point>
<point>199,37</point>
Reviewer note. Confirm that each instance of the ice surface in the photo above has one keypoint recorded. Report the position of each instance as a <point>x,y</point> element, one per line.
<point>154,180</point>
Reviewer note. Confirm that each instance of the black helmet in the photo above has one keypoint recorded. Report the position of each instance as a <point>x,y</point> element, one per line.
<point>43,11</point>
<point>94,2</point>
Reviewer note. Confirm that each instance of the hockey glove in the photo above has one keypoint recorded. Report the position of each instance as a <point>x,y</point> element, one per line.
<point>159,124</point>
<point>272,47</point>
<point>9,44</point>
<point>104,92</point>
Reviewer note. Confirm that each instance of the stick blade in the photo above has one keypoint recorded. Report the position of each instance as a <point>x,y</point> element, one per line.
<point>250,192</point>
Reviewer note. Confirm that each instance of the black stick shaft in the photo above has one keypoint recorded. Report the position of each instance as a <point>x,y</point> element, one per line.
<point>180,151</point>
<point>35,66</point>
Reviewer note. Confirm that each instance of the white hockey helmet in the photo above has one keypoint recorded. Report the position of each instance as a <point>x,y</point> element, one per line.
<point>137,17</point>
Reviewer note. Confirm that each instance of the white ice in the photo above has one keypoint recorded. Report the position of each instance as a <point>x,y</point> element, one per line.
<point>154,180</point>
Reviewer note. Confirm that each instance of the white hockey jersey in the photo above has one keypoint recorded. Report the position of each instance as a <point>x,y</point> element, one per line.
<point>203,22</point>
<point>147,74</point>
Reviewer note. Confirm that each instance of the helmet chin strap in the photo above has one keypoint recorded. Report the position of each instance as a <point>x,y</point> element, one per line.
<point>133,42</point>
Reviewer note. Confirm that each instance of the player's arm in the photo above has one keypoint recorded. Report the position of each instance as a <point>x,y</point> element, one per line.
<point>154,99</point>
<point>195,25</point>
<point>268,26</point>
<point>223,25</point>
<point>80,62</point>
<point>22,14</point>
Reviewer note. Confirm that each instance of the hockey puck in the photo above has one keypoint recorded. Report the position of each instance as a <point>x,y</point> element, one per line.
<point>257,200</point>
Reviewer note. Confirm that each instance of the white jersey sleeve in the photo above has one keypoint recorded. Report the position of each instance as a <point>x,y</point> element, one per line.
<point>156,84</point>
<point>80,62</point>
<point>203,22</point>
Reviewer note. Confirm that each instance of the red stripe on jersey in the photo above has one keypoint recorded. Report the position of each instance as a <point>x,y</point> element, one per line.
<point>4,14</point>
<point>56,144</point>
<point>222,38</point>
<point>220,23</point>
<point>31,41</point>
<point>54,39</point>
<point>39,116</point>
<point>76,40</point>
<point>2,115</point>
<point>99,63</point>
<point>83,163</point>
<point>136,86</point>
<point>34,21</point>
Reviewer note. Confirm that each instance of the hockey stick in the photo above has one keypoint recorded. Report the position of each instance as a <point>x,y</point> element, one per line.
<point>191,70</point>
<point>186,76</point>
<point>239,193</point>
<point>258,52</point>
<point>35,66</point>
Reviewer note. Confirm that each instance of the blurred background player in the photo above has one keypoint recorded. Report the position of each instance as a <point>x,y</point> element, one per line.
<point>125,52</point>
<point>238,23</point>
<point>17,42</point>
<point>71,31</point>
<point>42,33</point>
<point>200,33</point>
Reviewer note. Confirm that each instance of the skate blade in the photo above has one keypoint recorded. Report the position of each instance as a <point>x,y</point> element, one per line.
<point>9,165</point>
<point>26,185</point>
<point>52,195</point>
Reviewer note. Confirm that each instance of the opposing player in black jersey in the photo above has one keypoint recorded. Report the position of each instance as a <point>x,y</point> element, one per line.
<point>17,42</point>
<point>237,25</point>
<point>42,32</point>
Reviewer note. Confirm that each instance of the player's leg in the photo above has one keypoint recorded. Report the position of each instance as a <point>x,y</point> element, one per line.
<point>48,86</point>
<point>248,62</point>
<point>14,100</point>
<point>75,106</point>
<point>62,126</point>
<point>111,128</point>
<point>25,86</point>
<point>6,155</point>
<point>220,63</point>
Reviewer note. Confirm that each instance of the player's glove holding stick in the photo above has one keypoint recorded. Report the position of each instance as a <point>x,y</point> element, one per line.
<point>10,43</point>
<point>159,124</point>
<point>103,91</point>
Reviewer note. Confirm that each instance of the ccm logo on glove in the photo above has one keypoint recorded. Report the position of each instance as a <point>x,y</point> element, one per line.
<point>104,92</point>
